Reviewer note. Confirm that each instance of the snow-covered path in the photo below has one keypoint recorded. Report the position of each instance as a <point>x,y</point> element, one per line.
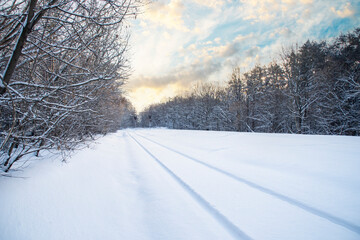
<point>168,184</point>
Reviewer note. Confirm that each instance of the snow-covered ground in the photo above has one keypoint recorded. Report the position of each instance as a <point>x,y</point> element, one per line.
<point>169,184</point>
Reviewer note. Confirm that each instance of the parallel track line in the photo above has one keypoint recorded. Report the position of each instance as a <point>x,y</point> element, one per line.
<point>336,220</point>
<point>222,219</point>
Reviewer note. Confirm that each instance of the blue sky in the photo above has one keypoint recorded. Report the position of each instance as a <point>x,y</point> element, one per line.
<point>177,43</point>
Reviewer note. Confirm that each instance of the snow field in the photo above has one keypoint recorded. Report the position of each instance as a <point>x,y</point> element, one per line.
<point>253,207</point>
<point>168,184</point>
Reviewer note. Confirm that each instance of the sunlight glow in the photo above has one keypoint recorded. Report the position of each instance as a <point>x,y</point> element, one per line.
<point>142,97</point>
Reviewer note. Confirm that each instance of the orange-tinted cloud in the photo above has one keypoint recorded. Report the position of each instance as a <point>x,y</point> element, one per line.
<point>346,11</point>
<point>169,15</point>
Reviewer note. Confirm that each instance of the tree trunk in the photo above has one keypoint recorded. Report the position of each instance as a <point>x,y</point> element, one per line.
<point>26,29</point>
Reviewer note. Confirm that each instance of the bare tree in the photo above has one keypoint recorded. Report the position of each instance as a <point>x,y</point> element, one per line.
<point>57,59</point>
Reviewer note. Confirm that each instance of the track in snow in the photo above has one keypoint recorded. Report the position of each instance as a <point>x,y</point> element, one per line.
<point>236,232</point>
<point>334,219</point>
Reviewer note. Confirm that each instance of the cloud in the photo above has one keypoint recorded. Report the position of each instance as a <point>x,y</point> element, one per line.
<point>213,50</point>
<point>210,3</point>
<point>347,11</point>
<point>182,76</point>
<point>222,51</point>
<point>263,10</point>
<point>252,52</point>
<point>307,1</point>
<point>268,10</point>
<point>282,32</point>
<point>240,38</point>
<point>235,47</point>
<point>168,15</point>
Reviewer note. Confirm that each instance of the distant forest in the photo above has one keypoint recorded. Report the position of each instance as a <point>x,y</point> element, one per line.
<point>313,89</point>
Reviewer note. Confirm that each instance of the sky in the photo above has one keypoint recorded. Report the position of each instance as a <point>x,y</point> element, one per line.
<point>178,43</point>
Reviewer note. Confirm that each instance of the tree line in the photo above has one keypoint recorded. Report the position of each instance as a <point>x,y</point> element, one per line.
<point>62,67</point>
<point>313,89</point>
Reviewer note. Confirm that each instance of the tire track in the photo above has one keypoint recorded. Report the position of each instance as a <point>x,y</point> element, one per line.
<point>312,210</point>
<point>222,219</point>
